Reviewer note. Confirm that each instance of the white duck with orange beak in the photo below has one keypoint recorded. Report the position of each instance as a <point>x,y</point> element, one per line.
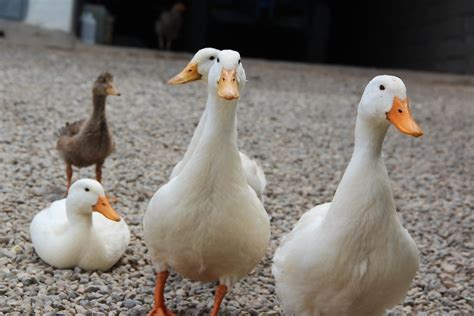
<point>82,230</point>
<point>352,256</point>
<point>198,69</point>
<point>207,223</point>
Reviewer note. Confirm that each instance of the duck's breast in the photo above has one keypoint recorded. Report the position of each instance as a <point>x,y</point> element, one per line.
<point>206,234</point>
<point>108,241</point>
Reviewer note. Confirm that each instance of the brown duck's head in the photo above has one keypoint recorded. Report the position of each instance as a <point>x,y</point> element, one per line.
<point>179,7</point>
<point>104,85</point>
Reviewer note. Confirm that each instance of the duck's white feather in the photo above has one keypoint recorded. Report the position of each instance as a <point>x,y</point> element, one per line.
<point>351,256</point>
<point>252,169</point>
<point>254,175</point>
<point>207,223</point>
<point>63,244</point>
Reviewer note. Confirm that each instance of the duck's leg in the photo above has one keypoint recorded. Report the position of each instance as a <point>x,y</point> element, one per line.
<point>68,176</point>
<point>98,177</point>
<point>220,293</point>
<point>98,172</point>
<point>159,307</point>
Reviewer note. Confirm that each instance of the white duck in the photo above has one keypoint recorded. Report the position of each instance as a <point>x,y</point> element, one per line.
<point>352,256</point>
<point>198,69</point>
<point>207,223</point>
<point>72,233</point>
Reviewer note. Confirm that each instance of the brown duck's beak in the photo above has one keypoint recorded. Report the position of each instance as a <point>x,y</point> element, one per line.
<point>227,86</point>
<point>188,74</point>
<point>400,116</point>
<point>112,90</point>
<point>103,207</point>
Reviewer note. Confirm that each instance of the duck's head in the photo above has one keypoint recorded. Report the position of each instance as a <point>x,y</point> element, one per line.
<point>198,68</point>
<point>385,101</point>
<point>179,7</point>
<point>86,196</point>
<point>104,85</point>
<point>227,75</point>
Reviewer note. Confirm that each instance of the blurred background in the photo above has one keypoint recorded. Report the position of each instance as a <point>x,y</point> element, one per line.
<point>434,35</point>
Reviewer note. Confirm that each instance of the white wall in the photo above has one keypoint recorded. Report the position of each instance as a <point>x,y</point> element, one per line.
<point>51,14</point>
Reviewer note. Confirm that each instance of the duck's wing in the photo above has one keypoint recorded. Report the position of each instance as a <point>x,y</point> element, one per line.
<point>290,267</point>
<point>309,220</point>
<point>290,243</point>
<point>47,231</point>
<point>50,220</point>
<point>70,129</point>
<point>254,174</point>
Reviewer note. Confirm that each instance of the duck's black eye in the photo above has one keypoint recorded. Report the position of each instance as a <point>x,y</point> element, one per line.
<point>86,189</point>
<point>218,60</point>
<point>382,87</point>
<point>212,58</point>
<point>239,61</point>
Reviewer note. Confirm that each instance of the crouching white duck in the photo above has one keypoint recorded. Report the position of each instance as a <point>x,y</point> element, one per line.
<point>198,69</point>
<point>82,230</point>
<point>207,223</point>
<point>352,256</point>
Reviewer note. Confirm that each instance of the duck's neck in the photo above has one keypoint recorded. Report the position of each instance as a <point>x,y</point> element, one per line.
<point>98,102</point>
<point>194,141</point>
<point>364,197</point>
<point>369,139</point>
<point>79,220</point>
<point>216,156</point>
<point>221,120</point>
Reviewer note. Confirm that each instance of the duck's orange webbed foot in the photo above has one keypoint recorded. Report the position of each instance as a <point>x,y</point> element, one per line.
<point>159,307</point>
<point>161,311</point>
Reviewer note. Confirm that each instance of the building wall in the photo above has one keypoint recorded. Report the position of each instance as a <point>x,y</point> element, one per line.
<point>51,14</point>
<point>430,35</point>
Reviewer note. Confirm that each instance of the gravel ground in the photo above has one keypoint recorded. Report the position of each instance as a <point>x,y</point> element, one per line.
<point>297,119</point>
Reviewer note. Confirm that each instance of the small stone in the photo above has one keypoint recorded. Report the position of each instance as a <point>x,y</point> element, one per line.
<point>128,303</point>
<point>6,253</point>
<point>449,268</point>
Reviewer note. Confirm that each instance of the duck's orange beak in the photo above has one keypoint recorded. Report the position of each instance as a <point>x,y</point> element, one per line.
<point>227,86</point>
<point>112,90</point>
<point>103,207</point>
<point>188,74</point>
<point>400,116</point>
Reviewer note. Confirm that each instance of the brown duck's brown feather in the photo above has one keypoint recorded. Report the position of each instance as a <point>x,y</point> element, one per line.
<point>88,142</point>
<point>71,129</point>
<point>85,143</point>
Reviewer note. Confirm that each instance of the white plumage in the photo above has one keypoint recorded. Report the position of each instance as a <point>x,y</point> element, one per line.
<point>68,234</point>
<point>352,256</point>
<point>199,67</point>
<point>207,223</point>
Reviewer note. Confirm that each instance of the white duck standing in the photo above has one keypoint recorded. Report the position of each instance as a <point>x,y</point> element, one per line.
<point>207,223</point>
<point>352,256</point>
<point>72,233</point>
<point>198,69</point>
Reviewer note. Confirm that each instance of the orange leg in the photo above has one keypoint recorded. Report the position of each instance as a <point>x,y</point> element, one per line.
<point>159,307</point>
<point>68,176</point>
<point>98,172</point>
<point>220,293</point>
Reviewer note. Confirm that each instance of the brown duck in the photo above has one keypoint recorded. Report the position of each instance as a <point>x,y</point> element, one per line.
<point>88,142</point>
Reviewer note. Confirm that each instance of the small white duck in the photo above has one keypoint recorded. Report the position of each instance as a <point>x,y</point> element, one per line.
<point>198,69</point>
<point>207,223</point>
<point>72,233</point>
<point>352,256</point>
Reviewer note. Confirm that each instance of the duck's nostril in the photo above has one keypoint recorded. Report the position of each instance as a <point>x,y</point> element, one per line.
<point>400,111</point>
